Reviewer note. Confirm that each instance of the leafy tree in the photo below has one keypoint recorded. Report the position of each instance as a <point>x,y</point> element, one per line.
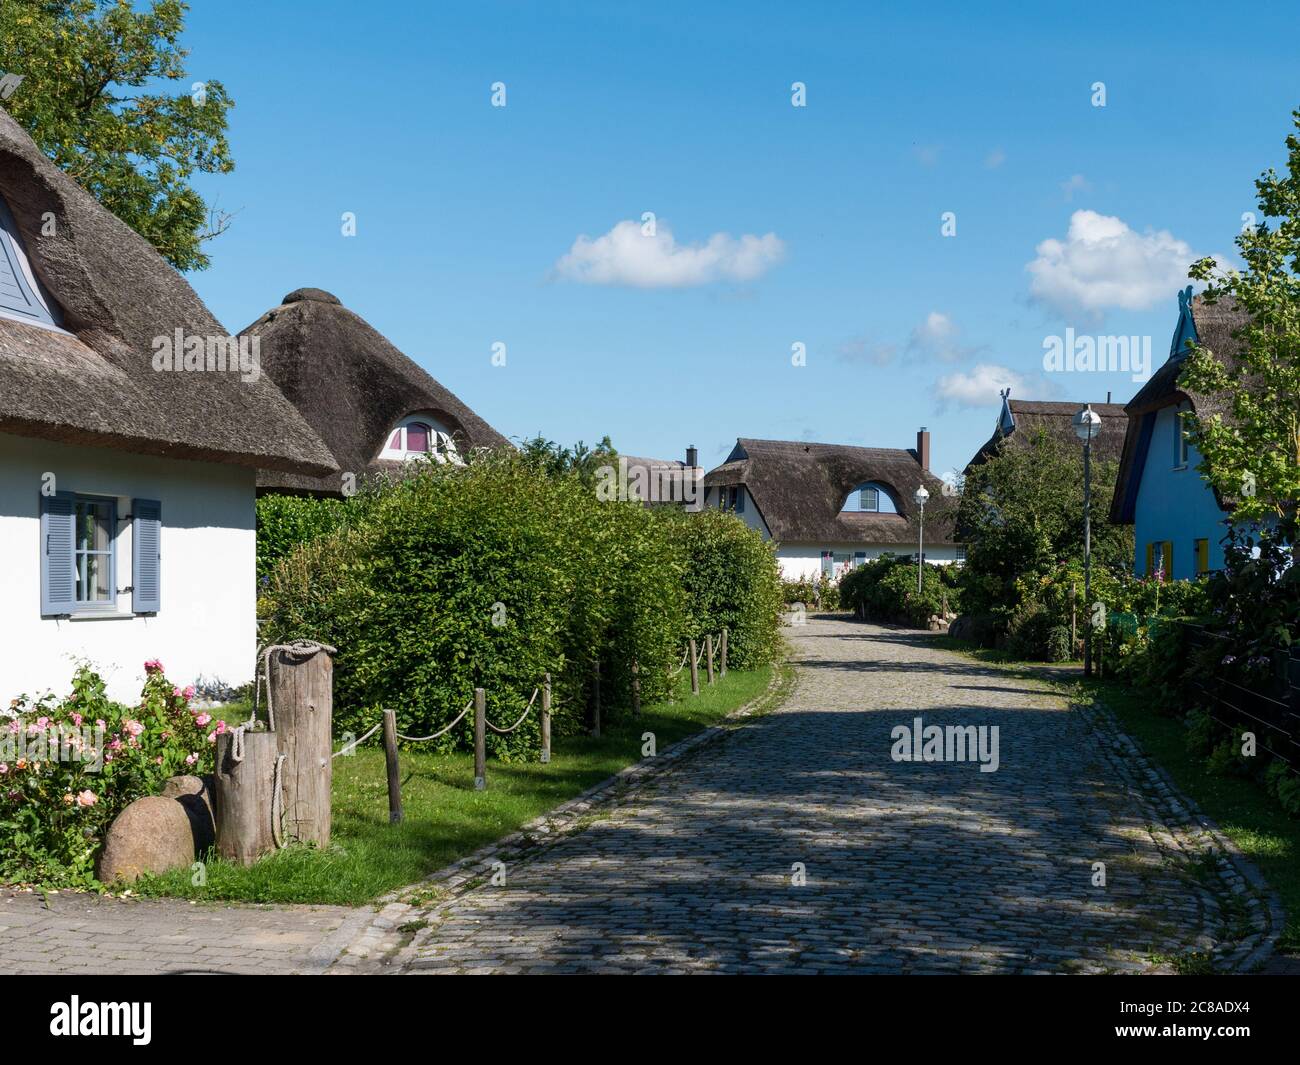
<point>546,456</point>
<point>1021,518</point>
<point>1253,457</point>
<point>136,152</point>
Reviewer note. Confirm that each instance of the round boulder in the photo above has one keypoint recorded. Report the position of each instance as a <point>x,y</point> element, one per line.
<point>152,835</point>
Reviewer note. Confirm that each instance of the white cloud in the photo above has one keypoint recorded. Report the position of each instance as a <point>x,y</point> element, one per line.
<point>625,256</point>
<point>1103,263</point>
<point>978,388</point>
<point>937,337</point>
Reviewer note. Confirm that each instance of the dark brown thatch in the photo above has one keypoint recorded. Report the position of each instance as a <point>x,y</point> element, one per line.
<point>1027,416</point>
<point>352,386</point>
<point>800,487</point>
<point>1212,325</point>
<point>94,382</point>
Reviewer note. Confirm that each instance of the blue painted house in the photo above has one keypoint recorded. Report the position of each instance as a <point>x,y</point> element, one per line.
<point>1179,520</point>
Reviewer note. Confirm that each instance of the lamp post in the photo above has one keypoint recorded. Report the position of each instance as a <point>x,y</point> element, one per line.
<point>921,496</point>
<point>1086,423</point>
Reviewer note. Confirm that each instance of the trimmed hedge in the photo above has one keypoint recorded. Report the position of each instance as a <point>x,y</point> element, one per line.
<point>494,573</point>
<point>884,589</point>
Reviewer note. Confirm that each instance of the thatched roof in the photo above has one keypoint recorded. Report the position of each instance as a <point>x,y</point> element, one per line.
<point>1211,325</point>
<point>1019,418</point>
<point>800,487</point>
<point>93,381</point>
<point>352,386</point>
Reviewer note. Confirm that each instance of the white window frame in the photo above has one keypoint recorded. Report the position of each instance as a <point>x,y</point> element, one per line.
<point>442,446</point>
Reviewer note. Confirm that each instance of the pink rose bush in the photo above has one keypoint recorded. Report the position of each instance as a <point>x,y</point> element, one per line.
<point>69,766</point>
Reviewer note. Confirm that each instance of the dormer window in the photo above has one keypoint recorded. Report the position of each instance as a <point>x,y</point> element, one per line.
<point>21,295</point>
<point>870,498</point>
<point>420,436</point>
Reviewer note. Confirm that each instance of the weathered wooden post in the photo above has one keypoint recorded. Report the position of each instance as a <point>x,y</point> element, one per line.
<point>546,718</point>
<point>1074,634</point>
<point>242,798</point>
<point>724,650</point>
<point>636,689</point>
<point>595,701</point>
<point>695,669</point>
<point>390,759</point>
<point>300,702</point>
<point>708,651</point>
<point>480,739</point>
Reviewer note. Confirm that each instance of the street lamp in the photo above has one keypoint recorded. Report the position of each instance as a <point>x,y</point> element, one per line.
<point>921,497</point>
<point>1086,424</point>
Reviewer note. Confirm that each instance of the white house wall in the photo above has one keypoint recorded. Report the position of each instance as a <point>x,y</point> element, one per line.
<point>805,560</point>
<point>207,621</point>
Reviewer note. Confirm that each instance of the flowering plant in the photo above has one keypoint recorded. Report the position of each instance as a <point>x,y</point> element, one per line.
<point>69,766</point>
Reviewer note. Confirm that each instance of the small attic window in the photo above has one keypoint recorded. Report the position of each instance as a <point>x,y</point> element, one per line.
<point>21,297</point>
<point>871,497</point>
<point>420,436</point>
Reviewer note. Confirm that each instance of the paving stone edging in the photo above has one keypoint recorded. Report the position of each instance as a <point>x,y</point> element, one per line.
<point>361,945</point>
<point>1178,825</point>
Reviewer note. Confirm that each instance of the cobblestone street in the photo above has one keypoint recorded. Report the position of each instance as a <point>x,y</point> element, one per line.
<point>920,867</point>
<point>792,843</point>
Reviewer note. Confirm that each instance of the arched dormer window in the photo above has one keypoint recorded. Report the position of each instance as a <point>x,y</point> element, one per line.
<point>21,296</point>
<point>420,436</point>
<point>870,497</point>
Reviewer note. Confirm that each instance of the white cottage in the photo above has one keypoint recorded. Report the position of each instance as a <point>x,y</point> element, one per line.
<point>132,428</point>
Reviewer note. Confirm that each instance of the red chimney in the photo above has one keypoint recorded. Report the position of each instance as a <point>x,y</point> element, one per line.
<point>923,448</point>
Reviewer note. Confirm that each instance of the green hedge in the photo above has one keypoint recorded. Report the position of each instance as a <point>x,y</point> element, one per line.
<point>492,574</point>
<point>284,522</point>
<point>884,589</point>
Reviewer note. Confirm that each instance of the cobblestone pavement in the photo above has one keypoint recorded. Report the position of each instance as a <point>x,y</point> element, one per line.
<point>82,933</point>
<point>910,867</point>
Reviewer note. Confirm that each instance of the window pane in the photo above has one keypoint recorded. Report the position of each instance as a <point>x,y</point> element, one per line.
<point>417,437</point>
<point>94,546</point>
<point>395,441</point>
<point>870,499</point>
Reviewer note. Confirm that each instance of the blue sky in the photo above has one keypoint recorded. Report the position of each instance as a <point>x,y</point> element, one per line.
<point>829,214</point>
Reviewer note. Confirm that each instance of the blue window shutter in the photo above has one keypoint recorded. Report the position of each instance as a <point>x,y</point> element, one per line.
<point>146,556</point>
<point>17,295</point>
<point>58,560</point>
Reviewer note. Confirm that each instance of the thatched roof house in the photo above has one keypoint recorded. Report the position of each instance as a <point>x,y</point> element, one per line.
<point>670,482</point>
<point>83,371</point>
<point>830,506</point>
<point>1020,418</point>
<point>132,427</point>
<point>1178,517</point>
<point>371,404</point>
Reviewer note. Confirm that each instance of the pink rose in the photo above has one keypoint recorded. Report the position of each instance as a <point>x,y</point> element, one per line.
<point>133,727</point>
<point>202,720</point>
<point>3,769</point>
<point>76,719</point>
<point>188,692</point>
<point>87,798</point>
<point>153,666</point>
<point>190,759</point>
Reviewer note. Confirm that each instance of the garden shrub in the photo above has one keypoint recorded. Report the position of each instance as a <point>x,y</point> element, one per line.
<point>494,573</point>
<point>62,781</point>
<point>884,589</point>
<point>284,522</point>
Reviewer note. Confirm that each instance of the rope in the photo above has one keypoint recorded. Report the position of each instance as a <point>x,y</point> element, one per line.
<point>507,731</point>
<point>442,732</point>
<point>277,802</point>
<point>355,743</point>
<point>299,649</point>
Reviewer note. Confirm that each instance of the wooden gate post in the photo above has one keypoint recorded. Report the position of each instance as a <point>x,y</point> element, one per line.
<point>546,718</point>
<point>636,689</point>
<point>480,739</point>
<point>390,760</point>
<point>300,693</point>
<point>708,652</point>
<point>595,701</point>
<point>724,650</point>
<point>241,797</point>
<point>695,670</point>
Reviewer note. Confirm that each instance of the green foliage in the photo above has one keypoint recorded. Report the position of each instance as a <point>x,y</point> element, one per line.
<point>284,522</point>
<point>135,152</point>
<point>819,593</point>
<point>63,780</point>
<point>1254,457</point>
<point>1021,517</point>
<point>495,573</point>
<point>731,579</point>
<point>884,589</point>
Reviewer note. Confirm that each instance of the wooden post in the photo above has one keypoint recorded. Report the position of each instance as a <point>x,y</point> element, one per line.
<point>390,759</point>
<point>636,689</point>
<point>595,701</point>
<point>480,739</point>
<point>1074,631</point>
<point>546,718</point>
<point>695,670</point>
<point>708,655</point>
<point>724,650</point>
<point>300,689</point>
<point>241,798</point>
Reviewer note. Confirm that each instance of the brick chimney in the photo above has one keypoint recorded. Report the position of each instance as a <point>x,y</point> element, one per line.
<point>692,456</point>
<point>923,448</point>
